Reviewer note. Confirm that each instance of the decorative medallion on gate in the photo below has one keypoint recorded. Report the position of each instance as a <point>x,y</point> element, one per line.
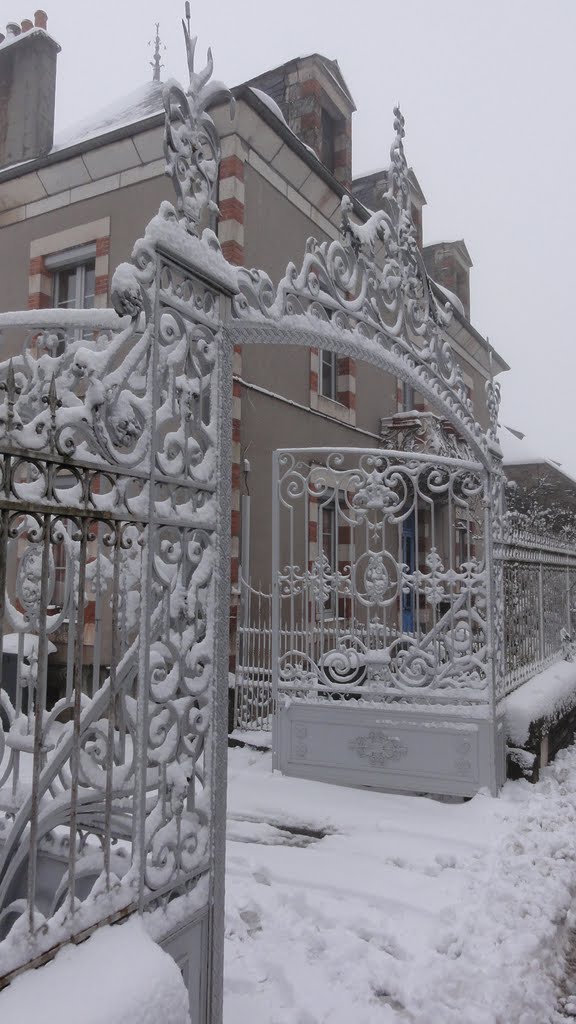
<point>379,749</point>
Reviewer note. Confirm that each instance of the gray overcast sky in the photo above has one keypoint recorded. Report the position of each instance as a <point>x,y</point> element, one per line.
<point>488,91</point>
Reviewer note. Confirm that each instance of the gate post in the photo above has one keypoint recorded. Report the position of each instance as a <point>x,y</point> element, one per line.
<point>218,758</point>
<point>494,539</point>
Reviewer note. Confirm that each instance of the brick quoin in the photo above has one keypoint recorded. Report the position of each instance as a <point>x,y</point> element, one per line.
<point>236,425</point>
<point>103,246</point>
<point>236,385</point>
<point>310,121</point>
<point>232,209</point>
<point>232,167</point>
<point>234,577</point>
<point>233,252</point>
<point>36,265</point>
<point>38,300</point>
<point>347,398</point>
<point>101,287</point>
<point>311,88</point>
<point>346,366</point>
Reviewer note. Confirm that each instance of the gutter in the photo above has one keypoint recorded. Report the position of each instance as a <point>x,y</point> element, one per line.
<point>457,315</point>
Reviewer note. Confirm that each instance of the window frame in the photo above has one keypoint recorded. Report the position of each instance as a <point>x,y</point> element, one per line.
<point>326,355</point>
<point>78,259</point>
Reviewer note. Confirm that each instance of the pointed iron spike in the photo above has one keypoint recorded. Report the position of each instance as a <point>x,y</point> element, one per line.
<point>190,49</point>
<point>52,399</point>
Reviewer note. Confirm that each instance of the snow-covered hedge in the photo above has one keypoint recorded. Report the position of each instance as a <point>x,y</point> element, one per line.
<point>536,706</point>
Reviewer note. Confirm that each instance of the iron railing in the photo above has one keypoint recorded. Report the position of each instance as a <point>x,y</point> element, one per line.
<point>539,596</point>
<point>539,612</point>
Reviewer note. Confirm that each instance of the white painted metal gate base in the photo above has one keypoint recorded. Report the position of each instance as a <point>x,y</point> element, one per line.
<point>418,750</point>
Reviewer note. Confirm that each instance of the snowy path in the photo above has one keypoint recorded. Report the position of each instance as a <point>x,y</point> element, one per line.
<point>350,906</point>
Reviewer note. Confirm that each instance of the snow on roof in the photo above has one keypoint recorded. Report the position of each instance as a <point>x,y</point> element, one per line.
<point>517,451</point>
<point>270,103</point>
<point>145,101</point>
<point>35,31</point>
<point>452,298</point>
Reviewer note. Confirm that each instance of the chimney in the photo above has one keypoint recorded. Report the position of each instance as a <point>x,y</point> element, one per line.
<point>448,264</point>
<point>27,90</point>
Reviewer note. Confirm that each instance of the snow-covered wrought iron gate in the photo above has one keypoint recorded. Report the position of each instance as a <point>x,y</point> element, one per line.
<point>115,467</point>
<point>368,297</point>
<point>114,555</point>
<point>382,578</point>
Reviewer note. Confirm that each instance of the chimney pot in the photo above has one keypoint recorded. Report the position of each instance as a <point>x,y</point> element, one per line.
<point>26,25</point>
<point>41,19</point>
<point>12,29</point>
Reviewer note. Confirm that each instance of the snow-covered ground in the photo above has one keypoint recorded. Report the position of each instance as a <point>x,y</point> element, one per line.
<point>407,908</point>
<point>118,976</point>
<point>352,907</point>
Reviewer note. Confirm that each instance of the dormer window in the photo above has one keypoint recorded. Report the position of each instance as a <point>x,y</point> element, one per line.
<point>329,132</point>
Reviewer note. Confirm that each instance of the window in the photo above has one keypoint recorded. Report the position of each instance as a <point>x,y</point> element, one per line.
<point>73,277</point>
<point>463,534</point>
<point>330,548</point>
<point>408,399</point>
<point>328,374</point>
<point>328,140</point>
<point>73,274</point>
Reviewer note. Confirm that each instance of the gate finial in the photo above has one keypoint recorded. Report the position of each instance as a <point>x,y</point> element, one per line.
<point>191,142</point>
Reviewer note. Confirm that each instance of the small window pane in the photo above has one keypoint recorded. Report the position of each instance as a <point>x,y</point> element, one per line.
<point>328,140</point>
<point>408,399</point>
<point>65,288</point>
<point>328,375</point>
<point>89,285</point>
<point>74,286</point>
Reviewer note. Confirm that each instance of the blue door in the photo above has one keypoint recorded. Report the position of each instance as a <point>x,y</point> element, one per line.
<point>409,559</point>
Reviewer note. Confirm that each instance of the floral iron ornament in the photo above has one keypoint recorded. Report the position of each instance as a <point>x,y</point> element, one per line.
<point>191,143</point>
<point>367,296</point>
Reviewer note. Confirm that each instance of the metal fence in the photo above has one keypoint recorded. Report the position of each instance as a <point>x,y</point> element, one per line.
<point>539,612</point>
<point>539,594</point>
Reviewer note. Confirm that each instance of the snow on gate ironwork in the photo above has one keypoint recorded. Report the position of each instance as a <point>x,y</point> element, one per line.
<point>115,463</point>
<point>440,676</point>
<point>381,579</point>
<point>114,518</point>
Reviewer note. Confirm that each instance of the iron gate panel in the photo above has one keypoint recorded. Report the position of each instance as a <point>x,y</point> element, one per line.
<point>342,588</point>
<point>115,456</point>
